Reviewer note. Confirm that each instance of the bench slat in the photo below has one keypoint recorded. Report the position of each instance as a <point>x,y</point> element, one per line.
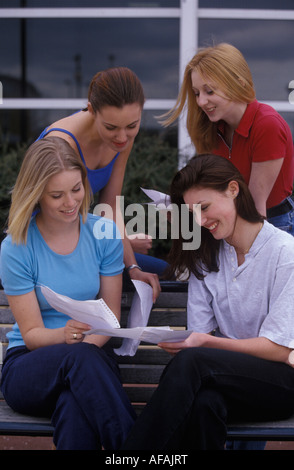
<point>141,373</point>
<point>12,423</point>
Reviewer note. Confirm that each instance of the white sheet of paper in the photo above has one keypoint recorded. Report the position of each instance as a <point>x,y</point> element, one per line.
<point>149,334</point>
<point>103,321</point>
<point>138,316</point>
<point>161,200</point>
<point>91,312</point>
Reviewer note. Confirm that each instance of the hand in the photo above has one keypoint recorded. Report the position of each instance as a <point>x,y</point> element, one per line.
<point>193,341</point>
<point>149,278</point>
<point>74,331</point>
<point>140,242</point>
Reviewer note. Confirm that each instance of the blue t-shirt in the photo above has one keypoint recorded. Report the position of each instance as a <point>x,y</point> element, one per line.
<point>26,267</point>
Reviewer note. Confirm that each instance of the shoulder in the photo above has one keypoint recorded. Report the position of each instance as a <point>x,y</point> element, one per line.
<point>95,222</point>
<point>102,231</point>
<point>267,116</point>
<point>279,242</point>
<point>9,246</point>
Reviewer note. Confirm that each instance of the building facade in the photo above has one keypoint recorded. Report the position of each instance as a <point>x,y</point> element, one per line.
<point>50,49</point>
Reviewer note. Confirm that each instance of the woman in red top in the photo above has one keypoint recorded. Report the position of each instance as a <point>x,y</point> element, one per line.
<point>226,119</point>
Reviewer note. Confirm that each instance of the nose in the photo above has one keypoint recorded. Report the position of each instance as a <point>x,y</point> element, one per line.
<point>201,100</point>
<point>69,200</point>
<point>202,220</point>
<point>197,214</point>
<point>121,135</point>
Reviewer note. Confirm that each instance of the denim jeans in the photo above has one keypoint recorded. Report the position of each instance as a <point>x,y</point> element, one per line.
<point>203,389</point>
<point>78,386</point>
<point>284,221</point>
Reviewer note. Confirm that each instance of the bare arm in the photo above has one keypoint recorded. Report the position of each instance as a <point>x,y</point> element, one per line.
<point>262,178</point>
<point>259,347</point>
<point>108,196</point>
<point>26,311</point>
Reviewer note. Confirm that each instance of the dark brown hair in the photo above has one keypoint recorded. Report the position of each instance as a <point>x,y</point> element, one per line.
<point>117,87</point>
<point>214,172</point>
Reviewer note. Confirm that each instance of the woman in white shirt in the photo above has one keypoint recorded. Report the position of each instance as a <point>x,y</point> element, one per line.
<point>235,365</point>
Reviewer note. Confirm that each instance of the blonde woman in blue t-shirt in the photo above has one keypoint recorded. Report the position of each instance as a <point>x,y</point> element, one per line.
<point>69,377</point>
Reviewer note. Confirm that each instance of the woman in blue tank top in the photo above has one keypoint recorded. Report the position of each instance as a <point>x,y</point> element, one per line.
<point>103,134</point>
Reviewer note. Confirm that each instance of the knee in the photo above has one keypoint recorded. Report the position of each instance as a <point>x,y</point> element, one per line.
<point>210,401</point>
<point>88,360</point>
<point>186,361</point>
<point>85,353</point>
<point>182,368</point>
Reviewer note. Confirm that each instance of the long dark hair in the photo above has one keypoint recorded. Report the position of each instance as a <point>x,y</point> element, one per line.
<point>214,172</point>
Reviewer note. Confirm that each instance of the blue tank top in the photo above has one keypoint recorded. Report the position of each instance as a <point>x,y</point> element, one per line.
<point>97,178</point>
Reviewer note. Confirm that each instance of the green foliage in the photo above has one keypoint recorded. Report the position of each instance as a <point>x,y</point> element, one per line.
<point>152,165</point>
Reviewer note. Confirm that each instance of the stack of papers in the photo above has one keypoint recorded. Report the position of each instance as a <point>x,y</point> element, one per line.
<point>104,322</point>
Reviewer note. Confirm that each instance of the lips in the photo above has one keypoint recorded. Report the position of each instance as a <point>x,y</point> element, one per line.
<point>212,227</point>
<point>210,110</point>
<point>120,144</point>
<point>70,211</point>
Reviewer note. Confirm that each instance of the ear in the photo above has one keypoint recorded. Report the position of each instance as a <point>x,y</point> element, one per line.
<point>90,108</point>
<point>232,189</point>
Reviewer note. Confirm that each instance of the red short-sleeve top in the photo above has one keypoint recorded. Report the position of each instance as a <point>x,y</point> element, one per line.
<point>262,135</point>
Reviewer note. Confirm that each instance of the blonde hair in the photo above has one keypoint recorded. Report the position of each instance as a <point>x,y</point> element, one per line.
<point>226,69</point>
<point>44,159</point>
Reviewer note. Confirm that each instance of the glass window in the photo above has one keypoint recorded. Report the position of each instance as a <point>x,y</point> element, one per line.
<point>267,47</point>
<point>89,3</point>
<point>248,4</point>
<point>26,125</point>
<point>57,58</point>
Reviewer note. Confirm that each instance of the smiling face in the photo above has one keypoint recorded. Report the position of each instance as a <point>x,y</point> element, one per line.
<point>62,197</point>
<point>218,211</point>
<point>118,127</point>
<point>214,102</point>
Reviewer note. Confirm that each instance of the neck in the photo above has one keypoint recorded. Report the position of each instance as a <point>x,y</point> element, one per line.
<point>234,120</point>
<point>61,238</point>
<point>244,235</point>
<point>88,131</point>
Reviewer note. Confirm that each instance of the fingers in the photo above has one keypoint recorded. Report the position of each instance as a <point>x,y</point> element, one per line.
<point>149,278</point>
<point>171,348</point>
<point>154,282</point>
<point>74,331</point>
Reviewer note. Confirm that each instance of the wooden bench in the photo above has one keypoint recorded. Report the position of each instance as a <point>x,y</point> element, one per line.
<point>140,373</point>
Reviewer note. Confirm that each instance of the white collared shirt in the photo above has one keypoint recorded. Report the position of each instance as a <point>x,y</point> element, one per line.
<point>250,300</point>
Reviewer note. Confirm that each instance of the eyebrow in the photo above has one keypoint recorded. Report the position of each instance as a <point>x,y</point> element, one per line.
<point>114,125</point>
<point>61,190</point>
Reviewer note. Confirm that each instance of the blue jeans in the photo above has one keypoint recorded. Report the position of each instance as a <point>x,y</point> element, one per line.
<point>285,221</point>
<point>78,386</point>
<point>150,264</point>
